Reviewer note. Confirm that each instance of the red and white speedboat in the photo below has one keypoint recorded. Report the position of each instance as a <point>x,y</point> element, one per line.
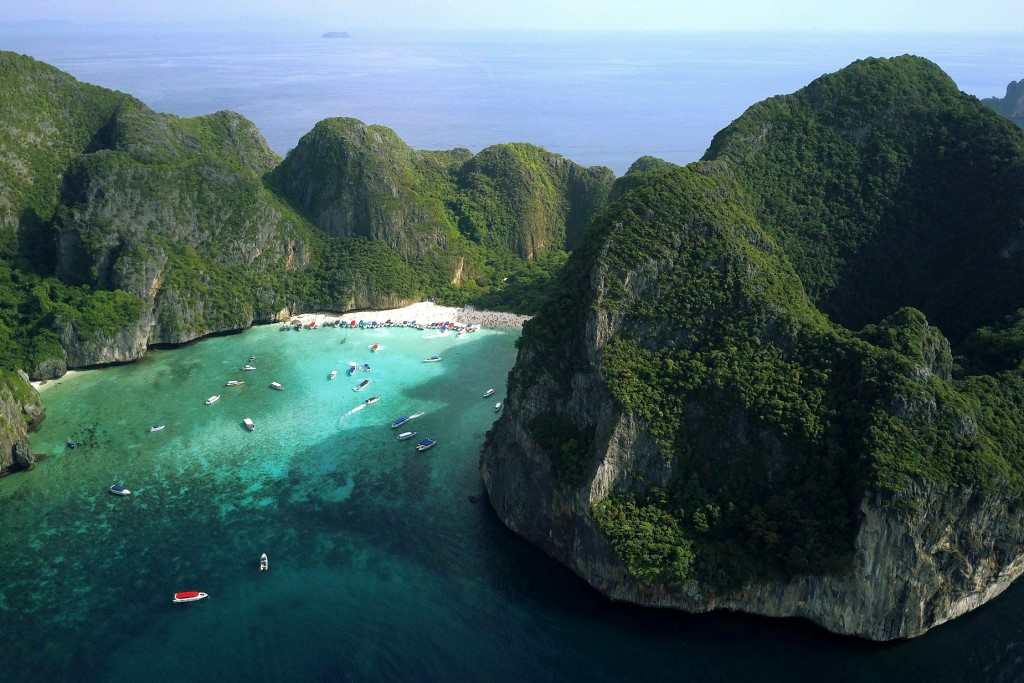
<point>189,596</point>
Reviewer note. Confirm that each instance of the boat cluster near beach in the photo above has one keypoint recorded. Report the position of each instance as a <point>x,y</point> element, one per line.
<point>401,424</point>
<point>298,324</point>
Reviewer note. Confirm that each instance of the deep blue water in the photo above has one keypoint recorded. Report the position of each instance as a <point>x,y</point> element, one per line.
<point>596,98</point>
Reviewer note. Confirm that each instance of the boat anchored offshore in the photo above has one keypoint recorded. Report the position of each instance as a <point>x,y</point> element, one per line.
<point>489,393</point>
<point>119,490</point>
<point>277,386</point>
<point>332,374</point>
<point>375,347</point>
<point>425,444</point>
<point>497,407</point>
<point>399,421</point>
<point>264,563</point>
<point>157,428</point>
<point>248,368</point>
<point>213,399</point>
<point>234,382</point>
<point>249,424</point>
<point>432,359</point>
<point>406,435</point>
<point>370,401</point>
<point>362,385</point>
<point>189,596</point>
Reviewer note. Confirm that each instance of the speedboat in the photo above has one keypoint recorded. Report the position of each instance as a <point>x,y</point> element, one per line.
<point>425,444</point>
<point>375,347</point>
<point>361,385</point>
<point>370,401</point>
<point>406,435</point>
<point>252,359</point>
<point>249,424</point>
<point>497,407</point>
<point>189,596</point>
<point>248,368</point>
<point>415,416</point>
<point>276,386</point>
<point>213,399</point>
<point>432,359</point>
<point>157,428</point>
<point>399,421</point>
<point>489,393</point>
<point>264,563</point>
<point>352,367</point>
<point>332,374</point>
<point>119,490</point>
<point>234,382</point>
<point>366,367</point>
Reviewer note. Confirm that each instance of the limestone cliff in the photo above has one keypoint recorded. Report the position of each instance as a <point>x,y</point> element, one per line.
<point>20,412</point>
<point>685,428</point>
<point>1011,105</point>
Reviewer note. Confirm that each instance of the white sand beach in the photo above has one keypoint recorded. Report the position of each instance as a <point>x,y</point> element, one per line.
<point>425,313</point>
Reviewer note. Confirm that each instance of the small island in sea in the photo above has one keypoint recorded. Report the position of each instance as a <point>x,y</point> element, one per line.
<point>337,34</point>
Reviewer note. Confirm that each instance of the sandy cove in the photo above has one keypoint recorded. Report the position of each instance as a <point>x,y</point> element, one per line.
<point>424,313</point>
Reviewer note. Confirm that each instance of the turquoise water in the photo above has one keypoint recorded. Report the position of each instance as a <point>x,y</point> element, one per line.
<point>381,566</point>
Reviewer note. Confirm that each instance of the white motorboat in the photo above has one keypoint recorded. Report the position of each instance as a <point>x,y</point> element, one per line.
<point>213,399</point>
<point>332,375</point>
<point>249,424</point>
<point>157,428</point>
<point>489,393</point>
<point>497,407</point>
<point>406,435</point>
<point>248,368</point>
<point>432,359</point>
<point>119,490</point>
<point>276,386</point>
<point>362,385</point>
<point>370,401</point>
<point>234,382</point>
<point>264,563</point>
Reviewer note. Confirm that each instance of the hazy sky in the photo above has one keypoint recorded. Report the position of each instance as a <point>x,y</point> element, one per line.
<point>594,15</point>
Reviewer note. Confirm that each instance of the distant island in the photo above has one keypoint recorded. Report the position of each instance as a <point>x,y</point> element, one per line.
<point>336,34</point>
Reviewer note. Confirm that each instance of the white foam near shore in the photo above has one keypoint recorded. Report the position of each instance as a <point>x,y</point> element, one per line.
<point>424,313</point>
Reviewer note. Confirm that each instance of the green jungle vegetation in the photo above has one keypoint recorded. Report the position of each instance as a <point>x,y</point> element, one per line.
<point>114,218</point>
<point>781,316</point>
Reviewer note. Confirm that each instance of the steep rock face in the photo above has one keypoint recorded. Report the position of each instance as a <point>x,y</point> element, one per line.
<point>357,180</point>
<point>1010,105</point>
<point>20,412</point>
<point>354,179</point>
<point>685,428</point>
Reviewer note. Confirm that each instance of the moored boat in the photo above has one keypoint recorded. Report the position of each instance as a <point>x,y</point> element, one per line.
<point>249,424</point>
<point>213,399</point>
<point>489,393</point>
<point>248,368</point>
<point>264,563</point>
<point>370,401</point>
<point>277,386</point>
<point>432,359</point>
<point>119,490</point>
<point>361,385</point>
<point>157,428</point>
<point>375,347</point>
<point>425,444</point>
<point>332,374</point>
<point>406,435</point>
<point>497,407</point>
<point>189,596</point>
<point>234,382</point>
<point>399,421</point>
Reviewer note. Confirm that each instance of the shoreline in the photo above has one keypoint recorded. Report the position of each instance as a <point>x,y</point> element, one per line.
<point>424,313</point>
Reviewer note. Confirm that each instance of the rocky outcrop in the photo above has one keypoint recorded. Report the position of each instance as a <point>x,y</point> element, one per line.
<point>20,412</point>
<point>684,427</point>
<point>1010,105</point>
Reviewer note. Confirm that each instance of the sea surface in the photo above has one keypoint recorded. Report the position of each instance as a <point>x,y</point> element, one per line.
<point>386,564</point>
<point>596,98</point>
